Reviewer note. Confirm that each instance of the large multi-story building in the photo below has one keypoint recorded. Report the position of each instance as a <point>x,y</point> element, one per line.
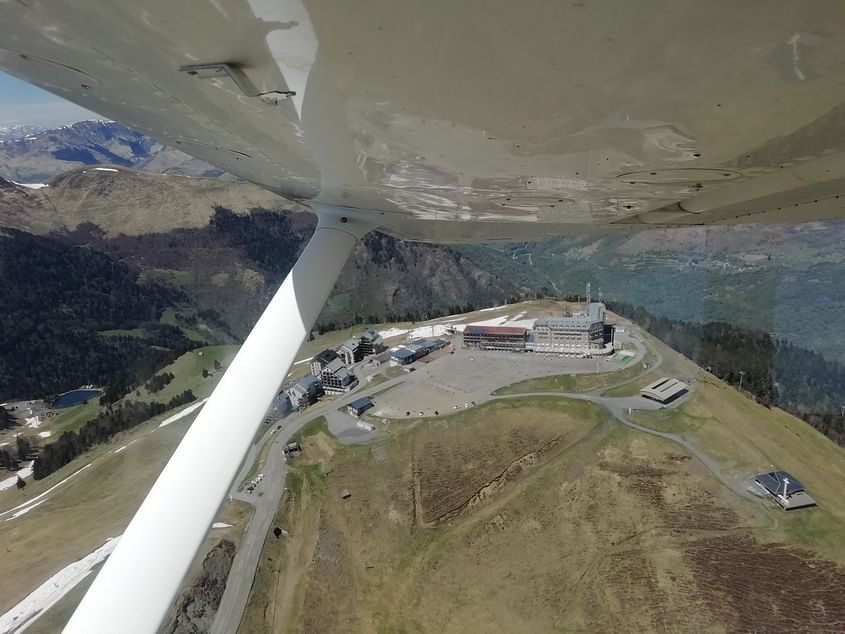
<point>333,375</point>
<point>495,338</point>
<point>583,333</point>
<point>580,333</point>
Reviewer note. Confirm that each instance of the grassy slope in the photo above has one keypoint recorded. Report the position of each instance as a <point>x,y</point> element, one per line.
<point>187,371</point>
<point>79,516</point>
<point>502,565</point>
<point>571,382</point>
<point>748,438</point>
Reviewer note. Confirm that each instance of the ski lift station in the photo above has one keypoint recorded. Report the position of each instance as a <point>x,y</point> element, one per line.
<point>785,489</point>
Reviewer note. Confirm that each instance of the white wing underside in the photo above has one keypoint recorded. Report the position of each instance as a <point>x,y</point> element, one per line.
<point>473,120</point>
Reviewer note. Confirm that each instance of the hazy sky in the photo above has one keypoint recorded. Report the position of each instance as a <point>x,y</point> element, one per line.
<point>23,103</point>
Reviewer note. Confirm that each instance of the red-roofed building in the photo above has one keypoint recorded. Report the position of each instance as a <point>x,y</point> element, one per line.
<point>508,338</point>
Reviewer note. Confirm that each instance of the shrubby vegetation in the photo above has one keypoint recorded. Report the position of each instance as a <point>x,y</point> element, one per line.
<point>99,430</point>
<point>158,382</point>
<point>6,419</point>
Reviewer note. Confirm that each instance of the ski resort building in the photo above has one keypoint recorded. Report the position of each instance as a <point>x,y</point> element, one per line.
<point>366,344</point>
<point>415,350</point>
<point>579,333</point>
<point>332,373</point>
<point>495,338</point>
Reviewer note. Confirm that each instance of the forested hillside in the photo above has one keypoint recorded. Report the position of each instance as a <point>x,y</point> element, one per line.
<point>57,299</point>
<point>776,372</point>
<point>233,265</point>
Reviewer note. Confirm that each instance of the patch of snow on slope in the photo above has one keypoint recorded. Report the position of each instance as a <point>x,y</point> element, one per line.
<point>51,591</point>
<point>42,495</point>
<point>26,510</point>
<point>392,332</point>
<point>8,483</point>
<point>31,185</point>
<point>183,413</point>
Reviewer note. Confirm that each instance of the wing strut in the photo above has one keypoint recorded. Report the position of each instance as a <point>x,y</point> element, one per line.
<point>137,585</point>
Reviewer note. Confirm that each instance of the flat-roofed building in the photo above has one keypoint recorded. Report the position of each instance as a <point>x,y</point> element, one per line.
<point>508,338</point>
<point>665,390</point>
<point>786,490</point>
<point>414,350</point>
<point>581,333</point>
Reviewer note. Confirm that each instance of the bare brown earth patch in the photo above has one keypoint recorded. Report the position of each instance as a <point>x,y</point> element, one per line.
<point>756,587</point>
<point>537,516</point>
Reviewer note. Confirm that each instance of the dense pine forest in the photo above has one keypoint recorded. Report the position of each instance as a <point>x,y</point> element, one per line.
<point>57,299</point>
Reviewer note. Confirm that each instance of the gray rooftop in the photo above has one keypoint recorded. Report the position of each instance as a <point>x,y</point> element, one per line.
<point>307,381</point>
<point>774,481</point>
<point>351,344</point>
<point>335,366</point>
<point>594,313</point>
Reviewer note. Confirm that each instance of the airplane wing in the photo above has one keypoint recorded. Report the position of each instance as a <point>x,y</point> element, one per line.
<point>556,116</point>
<point>439,121</point>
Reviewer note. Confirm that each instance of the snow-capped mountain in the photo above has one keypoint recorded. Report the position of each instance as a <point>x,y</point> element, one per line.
<point>36,155</point>
<point>9,132</point>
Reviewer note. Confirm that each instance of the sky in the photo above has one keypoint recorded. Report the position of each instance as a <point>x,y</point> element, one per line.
<point>22,103</point>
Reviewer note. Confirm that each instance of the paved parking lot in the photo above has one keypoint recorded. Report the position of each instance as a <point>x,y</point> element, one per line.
<point>469,376</point>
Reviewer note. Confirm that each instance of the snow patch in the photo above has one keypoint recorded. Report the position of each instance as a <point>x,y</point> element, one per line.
<point>392,332</point>
<point>506,321</point>
<point>42,495</point>
<point>8,483</point>
<point>183,413</point>
<point>45,434</point>
<point>220,525</point>
<point>102,169</point>
<point>26,510</point>
<point>33,421</point>
<point>31,185</point>
<point>435,330</point>
<point>119,449</point>
<point>51,591</point>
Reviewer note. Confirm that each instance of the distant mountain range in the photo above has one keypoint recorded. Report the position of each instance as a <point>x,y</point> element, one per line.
<point>9,132</point>
<point>218,249</point>
<point>122,200</point>
<point>32,155</point>
<point>782,279</point>
<point>104,190</point>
